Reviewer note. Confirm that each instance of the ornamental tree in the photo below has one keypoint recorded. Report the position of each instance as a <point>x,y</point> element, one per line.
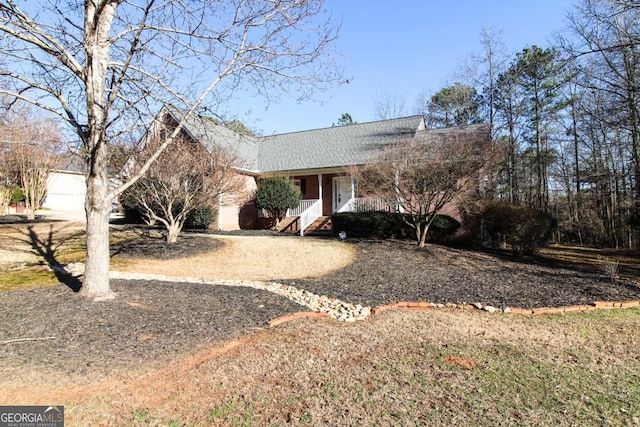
<point>421,175</point>
<point>276,195</point>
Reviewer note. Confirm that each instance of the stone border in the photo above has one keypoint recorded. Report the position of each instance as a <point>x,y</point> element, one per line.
<point>424,306</point>
<point>322,306</point>
<point>596,305</point>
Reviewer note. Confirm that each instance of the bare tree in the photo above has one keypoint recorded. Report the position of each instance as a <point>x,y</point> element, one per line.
<point>388,105</point>
<point>603,40</point>
<point>8,178</point>
<point>107,67</point>
<point>33,146</point>
<point>183,178</point>
<point>422,175</point>
<point>481,72</point>
<point>491,62</point>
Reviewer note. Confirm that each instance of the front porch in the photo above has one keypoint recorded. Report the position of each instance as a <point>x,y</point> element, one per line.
<point>322,195</point>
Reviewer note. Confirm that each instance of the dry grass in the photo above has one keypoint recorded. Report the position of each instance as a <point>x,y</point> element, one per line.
<point>626,262</point>
<point>256,258</point>
<point>440,367</point>
<point>444,367</point>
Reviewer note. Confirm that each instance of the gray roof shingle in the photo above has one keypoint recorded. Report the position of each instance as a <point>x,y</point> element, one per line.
<point>210,134</point>
<point>332,147</point>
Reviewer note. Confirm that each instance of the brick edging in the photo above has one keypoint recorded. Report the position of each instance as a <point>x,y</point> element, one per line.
<point>422,306</point>
<point>293,316</point>
<point>596,305</point>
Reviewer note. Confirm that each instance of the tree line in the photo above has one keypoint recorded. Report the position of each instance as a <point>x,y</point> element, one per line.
<point>565,119</point>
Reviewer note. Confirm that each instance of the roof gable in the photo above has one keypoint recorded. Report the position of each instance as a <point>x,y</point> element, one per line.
<point>210,135</point>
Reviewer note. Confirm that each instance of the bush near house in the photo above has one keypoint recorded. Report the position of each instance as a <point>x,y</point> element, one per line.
<point>387,225</point>
<point>276,195</point>
<point>17,195</point>
<point>374,224</point>
<point>443,227</point>
<point>200,218</point>
<point>131,207</point>
<point>523,229</point>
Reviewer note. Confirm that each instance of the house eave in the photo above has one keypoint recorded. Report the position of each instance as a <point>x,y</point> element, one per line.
<point>247,172</point>
<point>300,172</point>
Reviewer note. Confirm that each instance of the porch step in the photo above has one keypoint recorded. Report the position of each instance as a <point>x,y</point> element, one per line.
<point>320,227</point>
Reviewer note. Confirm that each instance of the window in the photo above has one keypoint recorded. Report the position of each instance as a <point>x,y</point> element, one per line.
<point>301,184</point>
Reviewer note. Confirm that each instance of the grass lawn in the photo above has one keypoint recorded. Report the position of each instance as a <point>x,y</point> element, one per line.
<point>435,367</point>
<point>440,367</point>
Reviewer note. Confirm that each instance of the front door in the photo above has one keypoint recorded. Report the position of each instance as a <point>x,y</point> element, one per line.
<point>341,192</point>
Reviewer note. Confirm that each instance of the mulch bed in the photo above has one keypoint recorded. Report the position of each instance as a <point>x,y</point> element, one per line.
<point>148,322</point>
<point>154,322</point>
<point>149,247</point>
<point>392,271</point>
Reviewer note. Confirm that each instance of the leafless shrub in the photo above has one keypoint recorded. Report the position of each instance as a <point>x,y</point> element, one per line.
<point>609,266</point>
<point>421,175</point>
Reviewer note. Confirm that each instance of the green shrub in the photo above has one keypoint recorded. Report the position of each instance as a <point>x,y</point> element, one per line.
<point>442,227</point>
<point>130,206</point>
<point>200,218</point>
<point>276,195</point>
<point>386,225</point>
<point>524,229</point>
<point>17,195</point>
<point>374,224</point>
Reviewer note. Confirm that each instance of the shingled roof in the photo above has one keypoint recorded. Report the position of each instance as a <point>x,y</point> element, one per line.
<point>210,134</point>
<point>331,147</point>
<point>335,146</point>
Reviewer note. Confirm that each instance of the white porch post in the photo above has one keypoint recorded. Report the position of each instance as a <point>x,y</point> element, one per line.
<point>320,186</point>
<point>353,188</point>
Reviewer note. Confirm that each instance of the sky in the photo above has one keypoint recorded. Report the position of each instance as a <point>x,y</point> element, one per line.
<point>404,47</point>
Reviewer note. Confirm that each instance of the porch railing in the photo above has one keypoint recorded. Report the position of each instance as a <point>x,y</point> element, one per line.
<point>303,206</point>
<point>366,204</point>
<point>310,210</point>
<point>310,214</point>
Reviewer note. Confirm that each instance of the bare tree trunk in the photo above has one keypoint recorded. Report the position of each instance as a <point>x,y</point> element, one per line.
<point>34,184</point>
<point>98,199</point>
<point>5,199</point>
<point>173,231</point>
<point>96,275</point>
<point>423,236</point>
<point>576,155</point>
<point>539,174</point>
